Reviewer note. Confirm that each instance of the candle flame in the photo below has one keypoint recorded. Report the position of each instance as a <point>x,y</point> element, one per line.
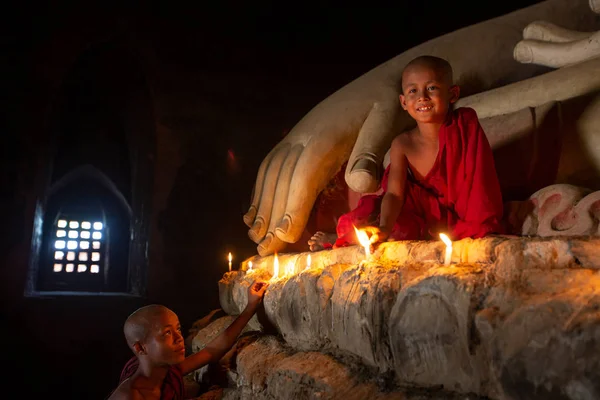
<point>229,257</point>
<point>446,239</point>
<point>448,242</point>
<point>290,268</point>
<point>308,261</point>
<point>275,267</point>
<point>364,241</point>
<point>249,265</point>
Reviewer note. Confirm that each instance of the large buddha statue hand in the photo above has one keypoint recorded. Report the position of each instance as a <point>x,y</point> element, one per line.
<point>545,43</point>
<point>358,122</point>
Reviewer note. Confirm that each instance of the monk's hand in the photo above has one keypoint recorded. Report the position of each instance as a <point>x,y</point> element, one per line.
<point>376,234</point>
<point>256,292</point>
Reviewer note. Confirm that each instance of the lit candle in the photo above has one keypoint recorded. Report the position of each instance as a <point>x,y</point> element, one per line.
<point>307,262</point>
<point>364,241</point>
<point>229,257</point>
<point>448,243</point>
<point>290,268</point>
<point>249,265</point>
<point>275,267</point>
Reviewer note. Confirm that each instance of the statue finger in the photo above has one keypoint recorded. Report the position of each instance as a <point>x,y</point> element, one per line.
<point>561,84</point>
<point>557,55</point>
<point>271,243</point>
<point>364,169</point>
<point>265,203</point>
<point>549,32</point>
<point>258,186</point>
<point>318,163</point>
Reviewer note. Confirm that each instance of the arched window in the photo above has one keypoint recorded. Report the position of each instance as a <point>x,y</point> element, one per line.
<point>92,219</point>
<point>85,239</point>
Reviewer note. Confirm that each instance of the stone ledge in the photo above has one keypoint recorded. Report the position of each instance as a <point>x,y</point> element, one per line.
<point>271,370</point>
<point>472,251</point>
<point>481,324</point>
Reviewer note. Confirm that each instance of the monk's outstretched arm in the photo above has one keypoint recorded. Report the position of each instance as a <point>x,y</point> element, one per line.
<point>393,200</point>
<point>220,345</point>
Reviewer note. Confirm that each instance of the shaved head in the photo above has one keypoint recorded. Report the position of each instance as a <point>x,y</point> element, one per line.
<point>140,322</point>
<point>437,64</point>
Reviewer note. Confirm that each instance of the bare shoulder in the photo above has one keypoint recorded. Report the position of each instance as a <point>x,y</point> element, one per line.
<point>403,142</point>
<point>125,391</point>
<point>121,392</point>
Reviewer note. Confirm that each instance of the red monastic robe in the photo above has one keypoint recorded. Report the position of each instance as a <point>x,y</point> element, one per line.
<point>460,196</point>
<point>173,386</point>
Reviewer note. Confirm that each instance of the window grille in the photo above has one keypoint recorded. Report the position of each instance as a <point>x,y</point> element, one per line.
<point>79,247</point>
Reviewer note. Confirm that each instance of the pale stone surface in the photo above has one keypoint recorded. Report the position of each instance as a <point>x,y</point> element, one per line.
<point>563,210</point>
<point>201,324</point>
<point>542,328</point>
<point>429,329</point>
<point>585,253</point>
<point>205,336</point>
<point>554,46</point>
<point>559,85</point>
<point>358,122</point>
<point>269,369</point>
<point>305,297</point>
<point>510,318</point>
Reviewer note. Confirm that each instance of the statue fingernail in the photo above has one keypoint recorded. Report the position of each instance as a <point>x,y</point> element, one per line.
<point>266,242</point>
<point>250,215</point>
<point>254,232</point>
<point>523,53</point>
<point>257,226</point>
<point>366,165</point>
<point>262,251</point>
<point>533,32</point>
<point>263,246</point>
<point>284,225</point>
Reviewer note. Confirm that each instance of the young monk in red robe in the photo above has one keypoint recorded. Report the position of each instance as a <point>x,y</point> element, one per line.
<point>154,334</point>
<point>441,176</point>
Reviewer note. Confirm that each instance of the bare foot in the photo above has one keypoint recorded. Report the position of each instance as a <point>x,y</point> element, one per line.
<point>319,239</point>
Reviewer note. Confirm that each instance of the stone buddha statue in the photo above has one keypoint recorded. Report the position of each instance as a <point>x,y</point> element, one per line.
<point>532,76</point>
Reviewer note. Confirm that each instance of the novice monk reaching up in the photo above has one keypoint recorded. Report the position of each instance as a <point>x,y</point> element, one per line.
<point>154,334</point>
<point>441,176</point>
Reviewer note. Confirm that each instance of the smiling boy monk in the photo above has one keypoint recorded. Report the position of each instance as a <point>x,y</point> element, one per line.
<point>441,176</point>
<point>154,334</point>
